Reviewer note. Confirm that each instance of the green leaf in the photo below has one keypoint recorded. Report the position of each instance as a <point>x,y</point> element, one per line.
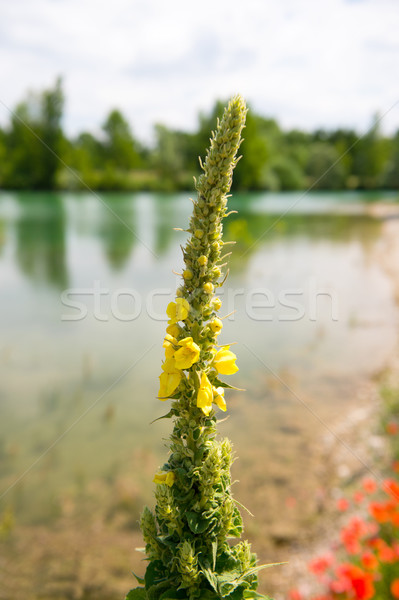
<point>218,383</point>
<point>237,594</point>
<point>169,415</point>
<point>253,595</point>
<point>237,526</point>
<point>138,593</point>
<point>196,523</point>
<point>211,578</point>
<point>196,434</point>
<point>156,591</point>
<point>173,594</point>
<point>207,595</point>
<point>153,573</point>
<point>214,553</point>
<point>140,580</point>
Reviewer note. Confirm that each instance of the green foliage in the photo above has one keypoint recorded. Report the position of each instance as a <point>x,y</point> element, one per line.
<point>34,140</point>
<point>34,152</point>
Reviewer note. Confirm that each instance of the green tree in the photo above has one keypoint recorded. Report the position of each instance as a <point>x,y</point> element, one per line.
<point>370,157</point>
<point>172,157</point>
<point>391,175</point>
<point>324,168</point>
<point>120,148</point>
<point>261,138</point>
<point>34,141</point>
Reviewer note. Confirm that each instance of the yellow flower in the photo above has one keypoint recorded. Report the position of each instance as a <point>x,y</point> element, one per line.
<point>169,379</point>
<point>177,311</point>
<point>218,398</point>
<point>166,478</point>
<point>216,325</point>
<point>205,395</point>
<point>208,287</point>
<point>174,330</point>
<point>169,344</point>
<point>188,354</point>
<point>224,361</point>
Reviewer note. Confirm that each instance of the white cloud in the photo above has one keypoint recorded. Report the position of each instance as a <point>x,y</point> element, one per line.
<point>307,63</point>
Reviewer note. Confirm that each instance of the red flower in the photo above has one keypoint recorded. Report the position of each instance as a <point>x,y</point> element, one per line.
<point>342,504</point>
<point>352,533</point>
<point>369,561</point>
<point>318,566</point>
<point>294,594</point>
<point>369,485</point>
<point>358,497</point>
<point>380,511</point>
<point>355,580</point>
<point>392,488</point>
<point>392,428</point>
<point>395,588</point>
<point>386,554</point>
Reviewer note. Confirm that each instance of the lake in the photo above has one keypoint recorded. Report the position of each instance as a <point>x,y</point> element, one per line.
<point>84,283</point>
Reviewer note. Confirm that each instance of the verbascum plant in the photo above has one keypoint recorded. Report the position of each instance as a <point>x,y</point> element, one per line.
<point>188,538</point>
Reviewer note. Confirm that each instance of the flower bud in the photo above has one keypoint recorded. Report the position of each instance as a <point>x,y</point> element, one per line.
<point>187,274</point>
<point>216,326</point>
<point>216,304</point>
<point>208,287</point>
<point>202,261</point>
<point>199,233</point>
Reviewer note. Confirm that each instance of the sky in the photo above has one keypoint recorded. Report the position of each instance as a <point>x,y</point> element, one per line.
<point>307,63</point>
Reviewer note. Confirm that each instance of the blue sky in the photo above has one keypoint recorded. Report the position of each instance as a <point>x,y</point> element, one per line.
<point>308,63</point>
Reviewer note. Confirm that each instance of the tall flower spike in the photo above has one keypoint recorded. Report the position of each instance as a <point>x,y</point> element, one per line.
<point>195,515</point>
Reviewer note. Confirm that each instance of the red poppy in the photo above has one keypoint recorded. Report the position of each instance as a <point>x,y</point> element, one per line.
<point>318,566</point>
<point>358,497</point>
<point>392,488</point>
<point>392,428</point>
<point>343,504</point>
<point>369,485</point>
<point>360,583</point>
<point>395,588</point>
<point>369,561</point>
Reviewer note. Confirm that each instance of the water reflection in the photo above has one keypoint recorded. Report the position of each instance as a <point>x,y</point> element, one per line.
<point>115,230</point>
<point>251,231</point>
<point>166,219</point>
<point>40,233</point>
<point>57,240</point>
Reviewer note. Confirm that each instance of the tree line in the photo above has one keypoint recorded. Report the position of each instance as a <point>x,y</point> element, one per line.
<point>36,154</point>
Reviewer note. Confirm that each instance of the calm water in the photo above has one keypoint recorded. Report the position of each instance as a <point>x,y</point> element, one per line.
<point>84,283</point>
